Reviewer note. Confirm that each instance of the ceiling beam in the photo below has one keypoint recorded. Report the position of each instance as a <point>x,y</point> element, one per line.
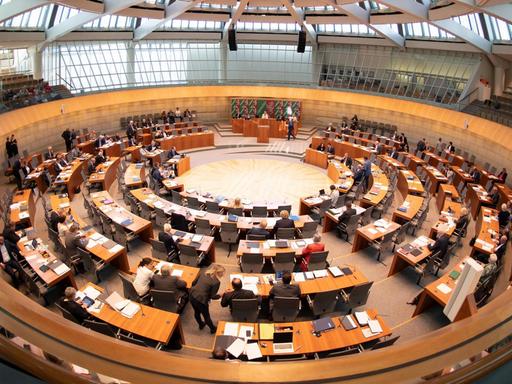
<point>363,16</point>
<point>16,7</point>
<point>109,7</point>
<point>298,15</point>
<point>172,11</point>
<point>236,13</point>
<point>409,7</point>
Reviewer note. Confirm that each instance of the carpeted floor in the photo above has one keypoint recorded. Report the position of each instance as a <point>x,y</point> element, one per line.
<point>389,295</point>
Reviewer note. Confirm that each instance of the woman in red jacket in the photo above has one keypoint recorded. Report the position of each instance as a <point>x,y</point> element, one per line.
<point>317,246</point>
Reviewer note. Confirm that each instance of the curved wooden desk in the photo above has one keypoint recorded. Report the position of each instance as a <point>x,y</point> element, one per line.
<point>135,175</point>
<point>22,209</point>
<point>105,173</point>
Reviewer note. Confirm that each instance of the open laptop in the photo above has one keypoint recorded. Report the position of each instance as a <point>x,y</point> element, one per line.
<point>283,342</point>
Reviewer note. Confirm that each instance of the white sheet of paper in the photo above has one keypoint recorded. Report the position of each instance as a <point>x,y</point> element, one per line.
<point>444,288</point>
<point>236,348</point>
<point>231,329</point>
<point>252,350</point>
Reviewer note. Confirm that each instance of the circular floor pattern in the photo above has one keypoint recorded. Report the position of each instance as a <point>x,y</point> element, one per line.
<point>258,180</point>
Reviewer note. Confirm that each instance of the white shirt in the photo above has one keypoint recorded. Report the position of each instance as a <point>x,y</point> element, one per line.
<point>5,254</point>
<point>142,280</point>
<point>334,196</point>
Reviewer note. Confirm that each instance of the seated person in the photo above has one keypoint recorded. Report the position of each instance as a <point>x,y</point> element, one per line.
<point>100,141</point>
<point>489,269</point>
<point>284,221</point>
<point>152,147</point>
<point>9,233</point>
<point>394,153</point>
<point>100,158</point>
<point>91,166</point>
<point>334,195</point>
<point>160,134</point>
<point>76,308</point>
<point>187,114</point>
<point>165,282</point>
<point>330,150</point>
<point>260,230</point>
<point>76,152</point>
<point>316,246</point>
<point>284,289</point>
<point>237,203</point>
<point>495,196</point>
<point>158,176</point>
<point>359,174</point>
<point>220,353</point>
<point>475,174</point>
<point>60,164</point>
<point>440,246</point>
<point>321,147</point>
<point>502,176</point>
<point>236,293</point>
<point>73,240</point>
<point>463,220</point>
<point>166,237</point>
<point>143,276</point>
<point>172,152</point>
<point>504,216</point>
<point>347,160</point>
<point>49,154</point>
<point>346,215</point>
<point>501,247</point>
<point>264,115</point>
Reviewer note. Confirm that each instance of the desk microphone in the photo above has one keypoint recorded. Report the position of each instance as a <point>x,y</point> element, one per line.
<point>142,310</point>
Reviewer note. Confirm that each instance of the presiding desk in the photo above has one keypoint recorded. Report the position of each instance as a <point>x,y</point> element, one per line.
<point>250,128</point>
<point>304,340</point>
<point>130,222</point>
<point>150,323</point>
<point>314,157</point>
<point>117,255</point>
<point>105,173</point>
<point>23,208</point>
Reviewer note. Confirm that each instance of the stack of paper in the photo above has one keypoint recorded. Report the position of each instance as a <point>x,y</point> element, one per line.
<point>231,329</point>
<point>91,292</point>
<point>298,277</point>
<point>362,317</point>
<point>320,273</point>
<point>130,310</point>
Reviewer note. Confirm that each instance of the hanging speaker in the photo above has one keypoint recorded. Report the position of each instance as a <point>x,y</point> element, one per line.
<point>232,39</point>
<point>301,47</point>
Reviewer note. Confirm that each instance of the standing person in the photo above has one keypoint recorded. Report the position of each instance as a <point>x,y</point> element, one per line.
<point>16,168</point>
<point>8,148</point>
<point>290,128</point>
<point>14,146</point>
<point>367,167</point>
<point>205,289</point>
<point>66,135</point>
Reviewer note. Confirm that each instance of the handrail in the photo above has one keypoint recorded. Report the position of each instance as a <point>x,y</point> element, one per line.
<point>461,104</point>
<point>405,361</point>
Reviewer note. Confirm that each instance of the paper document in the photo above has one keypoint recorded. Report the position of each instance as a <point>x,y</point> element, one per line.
<point>443,288</point>
<point>336,271</point>
<point>373,231</point>
<point>320,273</point>
<point>237,348</point>
<point>177,272</point>
<point>298,277</point>
<point>231,329</point>
<point>252,350</point>
<point>375,326</point>
<point>362,317</point>
<point>91,292</point>
<point>130,310</point>
<point>61,269</point>
<point>246,331</point>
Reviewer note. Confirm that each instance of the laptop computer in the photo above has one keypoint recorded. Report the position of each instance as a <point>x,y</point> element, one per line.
<point>283,342</point>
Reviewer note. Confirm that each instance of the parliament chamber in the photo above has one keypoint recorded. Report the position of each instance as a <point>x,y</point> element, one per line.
<point>180,207</point>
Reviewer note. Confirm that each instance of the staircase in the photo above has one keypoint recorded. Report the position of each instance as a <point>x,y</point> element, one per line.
<point>500,111</point>
<point>62,91</point>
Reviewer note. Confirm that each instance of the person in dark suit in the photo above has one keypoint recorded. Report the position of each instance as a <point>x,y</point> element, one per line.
<point>66,135</point>
<point>260,230</point>
<point>321,147</point>
<point>73,240</point>
<point>236,293</point>
<point>495,196</point>
<point>165,282</point>
<point>205,288</point>
<point>9,253</point>
<point>16,168</point>
<point>330,150</point>
<point>421,146</point>
<point>9,233</point>
<point>284,221</point>
<point>166,237</point>
<point>50,154</point>
<point>347,160</point>
<point>25,168</point>
<point>100,141</point>
<point>131,131</point>
<point>347,214</point>
<point>8,148</point>
<point>504,216</point>
<point>463,220</point>
<point>14,146</point>
<point>394,153</point>
<point>501,247</point>
<point>359,174</point>
<point>290,128</point>
<point>475,174</point>
<point>158,177</point>
<point>284,289</point>
<point>72,306</point>
<point>441,246</point>
<point>502,176</point>
<point>100,158</point>
<point>172,152</point>
<point>152,147</point>
<point>450,148</point>
<point>56,217</point>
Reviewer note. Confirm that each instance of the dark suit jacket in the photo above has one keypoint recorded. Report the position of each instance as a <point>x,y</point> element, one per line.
<point>228,297</point>
<point>205,288</point>
<point>54,221</point>
<point>503,218</point>
<point>10,235</point>
<point>49,155</point>
<point>99,159</point>
<point>284,290</point>
<point>168,241</point>
<point>259,231</point>
<point>284,223</point>
<point>345,216</point>
<point>75,309</point>
<point>169,283</point>
<point>100,142</point>
<point>172,153</point>
<point>441,245</point>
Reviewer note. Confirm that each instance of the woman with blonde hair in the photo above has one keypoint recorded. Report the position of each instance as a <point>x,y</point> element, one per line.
<point>205,289</point>
<point>237,203</point>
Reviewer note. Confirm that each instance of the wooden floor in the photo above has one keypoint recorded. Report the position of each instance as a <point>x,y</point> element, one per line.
<point>258,180</point>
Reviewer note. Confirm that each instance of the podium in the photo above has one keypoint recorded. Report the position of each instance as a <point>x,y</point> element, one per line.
<point>315,157</point>
<point>263,133</point>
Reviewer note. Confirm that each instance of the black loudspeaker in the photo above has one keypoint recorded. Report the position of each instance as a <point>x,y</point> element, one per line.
<point>232,39</point>
<point>301,46</point>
